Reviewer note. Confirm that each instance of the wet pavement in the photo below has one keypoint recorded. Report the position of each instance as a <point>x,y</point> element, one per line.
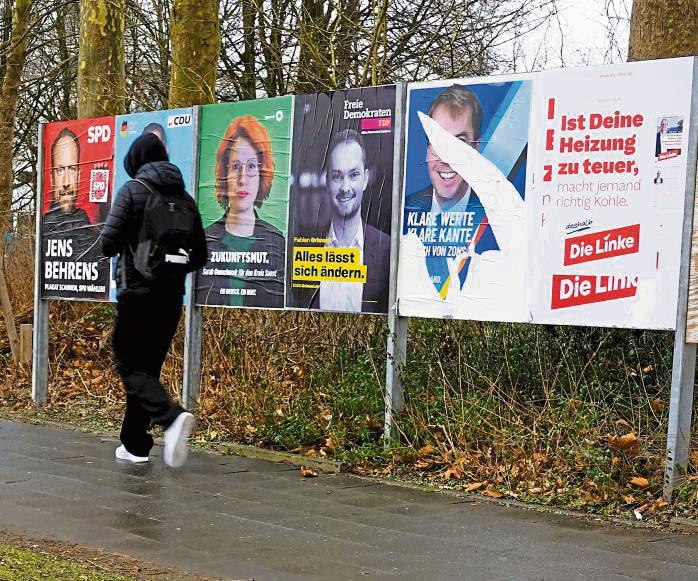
<point>237,518</point>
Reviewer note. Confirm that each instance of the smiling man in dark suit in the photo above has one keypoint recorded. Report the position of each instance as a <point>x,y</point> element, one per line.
<point>459,112</point>
<point>347,180</point>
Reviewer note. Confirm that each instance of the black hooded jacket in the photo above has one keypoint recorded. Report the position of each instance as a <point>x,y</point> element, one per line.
<point>146,161</point>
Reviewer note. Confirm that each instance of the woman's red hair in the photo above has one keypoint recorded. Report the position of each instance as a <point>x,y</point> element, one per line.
<point>249,128</point>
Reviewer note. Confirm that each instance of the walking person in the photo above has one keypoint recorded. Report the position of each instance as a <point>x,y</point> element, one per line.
<point>150,212</point>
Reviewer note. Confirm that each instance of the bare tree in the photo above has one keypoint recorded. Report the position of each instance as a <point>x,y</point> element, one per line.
<point>13,68</point>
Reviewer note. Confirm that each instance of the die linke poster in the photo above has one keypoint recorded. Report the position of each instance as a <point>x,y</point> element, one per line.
<point>607,195</point>
<point>76,196</point>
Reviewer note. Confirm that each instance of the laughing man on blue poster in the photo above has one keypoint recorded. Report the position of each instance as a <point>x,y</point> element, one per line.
<point>463,249</point>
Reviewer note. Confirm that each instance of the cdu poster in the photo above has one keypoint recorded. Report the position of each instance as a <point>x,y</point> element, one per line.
<point>244,157</point>
<point>463,246</point>
<point>608,195</point>
<point>341,201</point>
<point>175,128</point>
<point>76,196</point>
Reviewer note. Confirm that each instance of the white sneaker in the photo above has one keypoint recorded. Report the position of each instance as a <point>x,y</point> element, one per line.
<point>176,436</point>
<point>123,454</point>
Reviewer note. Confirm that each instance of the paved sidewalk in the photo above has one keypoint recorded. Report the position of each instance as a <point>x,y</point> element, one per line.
<point>237,518</point>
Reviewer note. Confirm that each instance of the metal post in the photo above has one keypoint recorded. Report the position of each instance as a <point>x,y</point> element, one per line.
<point>397,325</point>
<point>192,351</point>
<point>40,333</point>
<point>684,368</point>
<point>192,322</point>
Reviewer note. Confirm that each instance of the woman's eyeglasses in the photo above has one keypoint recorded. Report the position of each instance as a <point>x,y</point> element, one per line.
<point>251,166</point>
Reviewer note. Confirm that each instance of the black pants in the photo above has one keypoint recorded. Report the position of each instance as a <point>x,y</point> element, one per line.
<point>143,331</point>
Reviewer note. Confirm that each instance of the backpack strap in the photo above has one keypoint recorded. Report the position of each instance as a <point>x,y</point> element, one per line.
<point>145,184</point>
<point>128,246</point>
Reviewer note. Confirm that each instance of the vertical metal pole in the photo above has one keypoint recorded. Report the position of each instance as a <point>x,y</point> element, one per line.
<point>192,322</point>
<point>684,368</point>
<point>40,333</point>
<point>397,325</point>
<point>192,351</point>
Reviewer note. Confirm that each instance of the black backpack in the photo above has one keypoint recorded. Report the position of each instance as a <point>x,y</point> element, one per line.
<point>166,237</point>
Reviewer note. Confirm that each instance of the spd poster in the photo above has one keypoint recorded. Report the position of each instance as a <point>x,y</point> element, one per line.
<point>175,128</point>
<point>341,201</point>
<point>463,246</point>
<point>244,156</point>
<point>607,198</point>
<point>76,196</point>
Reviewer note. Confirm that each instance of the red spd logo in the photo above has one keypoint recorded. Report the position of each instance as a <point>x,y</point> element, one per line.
<point>99,185</point>
<point>573,290</point>
<point>600,245</point>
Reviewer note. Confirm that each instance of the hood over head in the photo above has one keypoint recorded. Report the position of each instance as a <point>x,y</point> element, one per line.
<point>147,148</point>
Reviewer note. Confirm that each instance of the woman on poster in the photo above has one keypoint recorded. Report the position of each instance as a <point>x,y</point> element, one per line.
<point>246,253</point>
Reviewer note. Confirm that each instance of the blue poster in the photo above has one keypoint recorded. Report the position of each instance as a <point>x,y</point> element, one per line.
<point>463,237</point>
<point>174,127</point>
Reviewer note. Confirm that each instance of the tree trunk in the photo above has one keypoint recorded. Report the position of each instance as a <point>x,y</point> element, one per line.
<point>662,29</point>
<point>195,38</point>
<point>101,73</point>
<point>248,84</point>
<point>14,67</point>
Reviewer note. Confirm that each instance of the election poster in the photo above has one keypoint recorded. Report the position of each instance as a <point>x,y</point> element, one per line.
<point>244,157</point>
<point>341,201</point>
<point>175,128</point>
<point>608,193</point>
<point>76,196</point>
<point>463,243</point>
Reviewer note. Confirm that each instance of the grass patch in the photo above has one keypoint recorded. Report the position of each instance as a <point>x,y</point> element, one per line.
<point>21,564</point>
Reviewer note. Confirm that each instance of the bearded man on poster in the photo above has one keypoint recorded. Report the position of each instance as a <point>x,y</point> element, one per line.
<point>64,220</point>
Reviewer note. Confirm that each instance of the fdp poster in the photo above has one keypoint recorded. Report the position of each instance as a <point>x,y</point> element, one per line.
<point>610,171</point>
<point>244,157</point>
<point>341,201</point>
<point>463,247</point>
<point>175,128</point>
<point>78,163</point>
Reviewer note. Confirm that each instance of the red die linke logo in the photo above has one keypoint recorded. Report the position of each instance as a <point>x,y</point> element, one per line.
<point>571,290</point>
<point>599,245</point>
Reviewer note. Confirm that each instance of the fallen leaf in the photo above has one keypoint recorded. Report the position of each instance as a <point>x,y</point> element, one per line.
<point>539,458</point>
<point>473,487</point>
<point>622,422</point>
<point>657,406</point>
<point>452,473</point>
<point>535,490</point>
<point>492,493</point>
<point>330,444</point>
<point>639,482</point>
<point>648,369</point>
<point>307,472</point>
<point>425,451</point>
<point>643,508</point>
<point>616,461</point>
<point>638,514</point>
<point>623,443</point>
<point>629,499</point>
<point>279,412</point>
<point>661,503</point>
